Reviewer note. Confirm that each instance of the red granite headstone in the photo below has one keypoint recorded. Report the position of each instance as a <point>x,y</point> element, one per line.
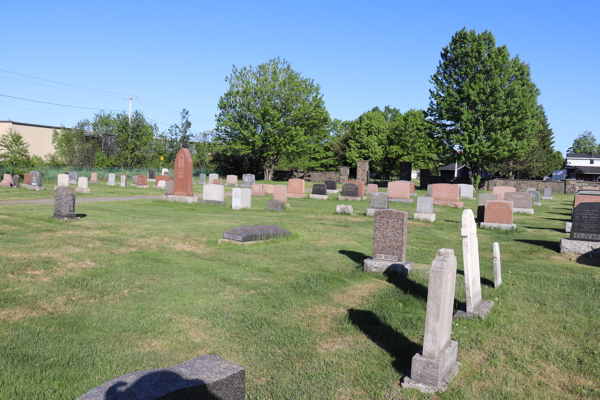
<point>361,187</point>
<point>295,186</point>
<point>141,180</point>
<point>500,190</point>
<point>498,212</point>
<point>161,178</point>
<point>26,179</point>
<point>585,198</point>
<point>445,192</point>
<point>216,182</point>
<point>399,190</point>
<point>183,174</point>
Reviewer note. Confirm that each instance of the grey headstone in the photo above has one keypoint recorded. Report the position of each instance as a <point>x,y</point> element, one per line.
<point>483,197</point>
<point>72,178</point>
<point>466,190</point>
<point>520,199</point>
<point>535,196</point>
<point>350,190</point>
<point>496,264</point>
<point>169,188</point>
<point>425,205</point>
<point>275,205</point>
<point>36,178</point>
<point>248,180</point>
<point>256,232</point>
<point>64,203</point>
<point>202,178</point>
<point>320,189</point>
<point>331,185</point>
<point>112,179</point>
<point>378,201</point>
<point>548,192</point>
<point>15,179</point>
<point>586,222</point>
<point>204,377</point>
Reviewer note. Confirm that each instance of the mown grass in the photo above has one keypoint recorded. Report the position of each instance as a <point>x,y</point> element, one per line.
<point>143,284</point>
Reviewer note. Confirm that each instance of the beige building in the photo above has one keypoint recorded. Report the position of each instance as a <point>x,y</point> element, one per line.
<point>39,137</point>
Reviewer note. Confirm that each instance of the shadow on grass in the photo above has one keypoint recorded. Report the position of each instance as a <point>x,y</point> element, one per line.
<point>592,258</point>
<point>557,219</point>
<point>553,245</point>
<point>548,229</point>
<point>80,215</point>
<point>406,285</point>
<point>396,344</point>
<point>355,256</point>
<point>484,281</point>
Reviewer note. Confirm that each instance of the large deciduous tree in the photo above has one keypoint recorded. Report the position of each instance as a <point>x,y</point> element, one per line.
<point>272,113</point>
<point>585,143</point>
<point>483,102</point>
<point>14,151</point>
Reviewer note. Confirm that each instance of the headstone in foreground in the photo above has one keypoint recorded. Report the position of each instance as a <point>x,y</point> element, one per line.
<point>496,264</point>
<point>319,192</point>
<point>255,233</point>
<point>475,307</point>
<point>82,185</point>
<point>498,214</point>
<point>445,194</point>
<point>111,180</point>
<point>522,202</point>
<point>204,377</point>
<point>214,194</point>
<point>586,222</point>
<point>183,174</point>
<point>424,209</point>
<point>248,180</point>
<point>547,194</point>
<point>241,198</point>
<point>64,203</point>
<point>389,243</point>
<point>433,369</point>
<point>502,190</point>
<point>275,205</point>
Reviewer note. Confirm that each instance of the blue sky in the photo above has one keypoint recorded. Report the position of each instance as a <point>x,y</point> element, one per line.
<point>363,54</point>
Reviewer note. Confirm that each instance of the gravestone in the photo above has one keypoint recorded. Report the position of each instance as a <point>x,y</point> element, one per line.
<point>350,191</point>
<point>161,178</point>
<point>27,178</point>
<point>483,197</point>
<point>72,178</point>
<point>214,194</point>
<point>168,189</point>
<point>268,188</point>
<point>216,182</point>
<point>161,184</point>
<point>37,181</point>
<point>389,243</point>
<point>405,171</point>
<point>241,198</point>
<point>331,186</point>
<point>212,177</point>
<point>141,182</point>
<point>433,369</point>
<point>256,233</point>
<point>204,377</point>
<point>280,193</point>
<point>275,205</point>
<point>111,180</point>
<point>424,178</point>
<point>475,307</point>
<point>535,197</point>
<point>257,189</point>
<point>343,209</point>
<point>465,191</point>
<point>64,203</point>
<point>585,197</point>
<point>82,185</point>
<point>123,180</point>
<point>94,177</point>
<point>372,188</point>
<point>183,174</point>
<point>502,190</point>
<point>15,181</point>
<point>498,214</point>
<point>151,175</point>
<point>165,171</point>
<point>547,194</point>
<point>133,179</point>
<point>424,209</point>
<point>399,192</point>
<point>361,187</point>
<point>295,188</point>
<point>496,264</point>
<point>584,240</point>
<point>231,180</point>
<point>445,194</point>
<point>202,178</point>
<point>248,180</point>
<point>62,180</point>
<point>319,191</point>
<point>522,202</point>
<point>377,201</point>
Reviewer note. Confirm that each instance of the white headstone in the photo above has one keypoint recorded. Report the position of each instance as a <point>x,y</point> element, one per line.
<point>496,261</point>
<point>63,180</point>
<point>211,177</point>
<point>165,171</point>
<point>466,191</point>
<point>82,182</point>
<point>111,180</point>
<point>161,184</point>
<point>471,260</point>
<point>214,192</point>
<point>123,180</point>
<point>241,198</point>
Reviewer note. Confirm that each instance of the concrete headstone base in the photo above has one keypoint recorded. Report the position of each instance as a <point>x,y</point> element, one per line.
<point>393,200</point>
<point>493,225</point>
<point>568,227</point>
<point>319,196</point>
<point>36,188</point>
<point>402,268</point>
<point>431,376</point>
<point>82,190</point>
<point>453,204</point>
<point>180,199</point>
<point>424,217</point>
<point>296,195</point>
<point>350,198</point>
<point>480,312</point>
<point>217,202</point>
<point>523,210</point>
<point>580,247</point>
<point>546,198</point>
<point>141,186</point>
<point>330,191</point>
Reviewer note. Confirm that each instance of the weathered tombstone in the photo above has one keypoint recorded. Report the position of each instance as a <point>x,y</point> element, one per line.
<point>141,182</point>
<point>372,188</point>
<point>151,175</point>
<point>64,203</point>
<point>212,177</point>
<point>111,180</point>
<point>168,189</point>
<point>389,243</point>
<point>257,189</point>
<point>15,181</point>
<point>343,209</point>
<point>445,194</point>
<point>123,180</point>
<point>424,209</point>
<point>399,192</point>
<point>202,179</point>
<point>204,377</point>
<point>94,177</point>
<point>496,262</point>
<point>183,174</point>
<point>433,369</point>
<point>280,193</point>
<point>424,178</point>
<point>361,187</point>
<point>165,171</point>
<point>248,180</point>
<point>585,232</point>
<point>502,190</point>
<point>214,194</point>
<point>377,201</point>
<point>37,181</point>
<point>133,179</point>
<point>82,185</point>
<point>535,197</point>
<point>498,214</point>
<point>295,188</point>
<point>350,191</point>
<point>249,234</point>
<point>241,198</point>
<point>475,306</point>
<point>522,202</point>
<point>62,180</point>
<point>466,191</point>
<point>547,194</point>
<point>483,197</point>
<point>319,191</point>
<point>268,188</point>
<point>275,205</point>
<point>405,171</point>
<point>231,180</point>
<point>72,178</point>
<point>331,186</point>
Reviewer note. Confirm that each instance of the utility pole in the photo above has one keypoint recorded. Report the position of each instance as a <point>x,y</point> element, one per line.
<point>130,99</point>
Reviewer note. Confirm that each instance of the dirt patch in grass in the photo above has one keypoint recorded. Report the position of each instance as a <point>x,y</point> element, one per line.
<point>153,345</point>
<point>356,294</point>
<point>195,247</point>
<point>335,344</point>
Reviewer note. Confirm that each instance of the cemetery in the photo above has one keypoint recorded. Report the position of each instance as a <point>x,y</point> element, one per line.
<point>361,299</point>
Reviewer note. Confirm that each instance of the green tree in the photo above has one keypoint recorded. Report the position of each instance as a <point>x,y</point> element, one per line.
<point>585,143</point>
<point>179,136</point>
<point>134,140</point>
<point>483,102</point>
<point>14,151</point>
<point>368,137</point>
<point>411,140</point>
<point>272,113</point>
<point>73,146</point>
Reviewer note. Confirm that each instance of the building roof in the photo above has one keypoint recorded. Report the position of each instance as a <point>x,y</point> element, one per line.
<point>23,123</point>
<point>583,155</point>
<point>450,167</point>
<point>586,170</point>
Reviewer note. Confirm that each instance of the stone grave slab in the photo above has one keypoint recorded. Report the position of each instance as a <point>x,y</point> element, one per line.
<point>547,194</point>
<point>445,194</point>
<point>372,188</point>
<point>169,188</point>
<point>361,187</point>
<point>62,180</point>
<point>141,182</point>
<point>466,191</point>
<point>350,191</point>
<point>216,182</point>
<point>268,188</point>
<point>256,233</point>
<point>522,202</point>
<point>483,197</point>
<point>231,180</point>
<point>82,185</point>
<point>212,177</point>
<point>319,192</point>
<point>241,198</point>
<point>183,185</point>
<point>377,201</point>
<point>280,193</point>
<point>399,192</point>
<point>64,203</point>
<point>584,240</point>
<point>344,209</point>
<point>389,243</point>
<point>248,180</point>
<point>72,178</point>
<point>331,187</point>
<point>275,205</point>
<point>295,188</point>
<point>501,190</point>
<point>37,181</point>
<point>424,210</point>
<point>498,214</point>
<point>214,194</point>
<point>257,189</point>
<point>112,180</point>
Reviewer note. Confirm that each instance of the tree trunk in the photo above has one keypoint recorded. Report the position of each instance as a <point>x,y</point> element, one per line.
<point>268,172</point>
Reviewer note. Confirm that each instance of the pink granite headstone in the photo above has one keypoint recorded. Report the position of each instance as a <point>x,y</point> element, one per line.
<point>183,174</point>
<point>372,188</point>
<point>361,187</point>
<point>232,179</point>
<point>257,189</point>
<point>280,193</point>
<point>268,189</point>
<point>216,182</point>
<point>500,190</point>
<point>498,212</point>
<point>399,190</point>
<point>94,177</point>
<point>445,192</point>
<point>141,180</point>
<point>295,186</point>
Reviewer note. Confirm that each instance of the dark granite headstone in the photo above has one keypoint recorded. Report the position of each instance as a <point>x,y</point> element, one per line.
<point>405,171</point>
<point>248,180</point>
<point>331,185</point>
<point>36,178</point>
<point>378,201</point>
<point>16,179</point>
<point>350,190</point>
<point>72,178</point>
<point>64,203</point>
<point>151,174</point>
<point>424,178</point>
<point>586,222</point>
<point>389,235</point>
<point>257,232</point>
<point>275,205</point>
<point>205,377</point>
<point>319,188</point>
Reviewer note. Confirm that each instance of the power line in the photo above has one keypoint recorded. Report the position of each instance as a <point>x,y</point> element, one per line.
<point>45,112</point>
<point>58,87</point>
<point>61,105</point>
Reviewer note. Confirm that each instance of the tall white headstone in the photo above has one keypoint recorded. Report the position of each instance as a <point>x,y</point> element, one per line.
<point>496,261</point>
<point>82,185</point>
<point>214,194</point>
<point>63,180</point>
<point>241,198</point>
<point>111,180</point>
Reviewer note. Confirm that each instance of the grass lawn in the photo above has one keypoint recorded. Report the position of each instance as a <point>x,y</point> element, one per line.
<point>143,284</point>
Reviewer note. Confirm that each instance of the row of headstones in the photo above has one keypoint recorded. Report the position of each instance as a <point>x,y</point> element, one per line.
<point>232,180</point>
<point>435,366</point>
<point>10,181</point>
